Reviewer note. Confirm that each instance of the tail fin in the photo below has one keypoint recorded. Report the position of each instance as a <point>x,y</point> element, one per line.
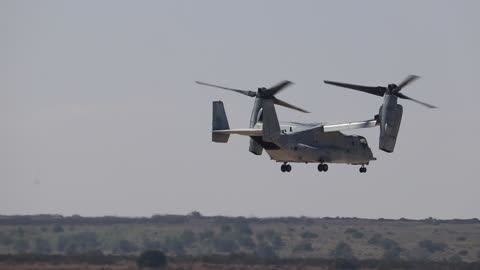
<point>219,122</point>
<point>271,126</point>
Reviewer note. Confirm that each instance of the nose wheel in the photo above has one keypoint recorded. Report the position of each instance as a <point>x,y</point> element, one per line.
<point>322,167</point>
<point>363,169</point>
<point>285,167</point>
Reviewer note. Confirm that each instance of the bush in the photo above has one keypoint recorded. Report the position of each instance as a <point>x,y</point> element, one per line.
<point>225,245</point>
<point>308,235</point>
<point>242,227</point>
<point>173,244</point>
<point>124,247</point>
<point>391,249</point>
<point>57,228</point>
<point>432,246</point>
<point>303,246</point>
<point>206,235</point>
<point>151,244</point>
<point>342,251</point>
<point>354,232</point>
<point>245,241</point>
<point>21,245</point>
<point>187,237</point>
<point>376,239</point>
<point>270,236</point>
<point>42,246</point>
<point>78,243</point>
<point>152,258</point>
<point>5,239</point>
<point>265,251</point>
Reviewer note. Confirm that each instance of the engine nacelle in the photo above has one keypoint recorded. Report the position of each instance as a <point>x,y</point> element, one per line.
<point>390,118</point>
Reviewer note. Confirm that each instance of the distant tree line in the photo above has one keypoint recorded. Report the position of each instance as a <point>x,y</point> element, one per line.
<point>179,219</point>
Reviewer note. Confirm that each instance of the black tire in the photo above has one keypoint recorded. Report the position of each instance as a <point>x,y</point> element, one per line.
<point>282,168</point>
<point>320,167</point>
<point>325,167</point>
<point>289,168</point>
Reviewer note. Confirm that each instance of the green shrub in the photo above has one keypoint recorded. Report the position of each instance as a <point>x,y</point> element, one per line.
<point>242,227</point>
<point>124,247</point>
<point>432,246</point>
<point>355,233</point>
<point>5,239</point>
<point>42,246</point>
<point>152,259</point>
<point>21,246</point>
<point>78,243</point>
<point>342,251</point>
<point>308,235</point>
<point>245,241</point>
<point>270,236</point>
<point>303,246</point>
<point>151,244</point>
<point>376,239</point>
<point>265,250</point>
<point>57,228</point>
<point>187,237</point>
<point>391,249</point>
<point>173,244</point>
<point>206,235</point>
<point>225,245</point>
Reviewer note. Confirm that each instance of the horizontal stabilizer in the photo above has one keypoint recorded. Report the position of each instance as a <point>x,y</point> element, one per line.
<point>240,131</point>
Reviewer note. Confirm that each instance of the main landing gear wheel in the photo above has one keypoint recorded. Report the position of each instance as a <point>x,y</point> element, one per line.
<point>285,168</point>
<point>363,169</point>
<point>322,167</point>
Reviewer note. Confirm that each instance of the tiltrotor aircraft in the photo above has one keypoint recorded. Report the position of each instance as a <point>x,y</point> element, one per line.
<point>290,142</point>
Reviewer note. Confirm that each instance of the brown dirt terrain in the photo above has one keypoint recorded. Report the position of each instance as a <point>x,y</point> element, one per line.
<point>132,266</point>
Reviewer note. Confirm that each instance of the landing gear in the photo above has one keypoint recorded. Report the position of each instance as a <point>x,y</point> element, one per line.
<point>285,167</point>
<point>322,167</point>
<point>363,169</point>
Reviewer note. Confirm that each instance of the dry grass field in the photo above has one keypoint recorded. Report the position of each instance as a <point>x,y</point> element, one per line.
<point>132,266</point>
<point>195,235</point>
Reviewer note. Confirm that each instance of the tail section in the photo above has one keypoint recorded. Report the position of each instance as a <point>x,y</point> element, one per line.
<point>219,122</point>
<point>271,126</point>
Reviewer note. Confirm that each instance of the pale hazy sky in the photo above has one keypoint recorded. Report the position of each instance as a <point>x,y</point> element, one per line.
<point>99,113</point>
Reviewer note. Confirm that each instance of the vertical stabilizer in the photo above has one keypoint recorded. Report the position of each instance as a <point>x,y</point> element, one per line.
<point>271,127</point>
<point>219,122</point>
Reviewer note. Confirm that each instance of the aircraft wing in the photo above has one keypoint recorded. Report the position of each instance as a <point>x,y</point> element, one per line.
<point>351,125</point>
<point>241,131</point>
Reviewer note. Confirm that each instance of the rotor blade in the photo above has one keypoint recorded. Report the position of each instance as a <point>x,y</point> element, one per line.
<point>405,82</point>
<point>288,105</point>
<point>244,92</point>
<point>277,88</point>
<point>374,90</point>
<point>400,95</point>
